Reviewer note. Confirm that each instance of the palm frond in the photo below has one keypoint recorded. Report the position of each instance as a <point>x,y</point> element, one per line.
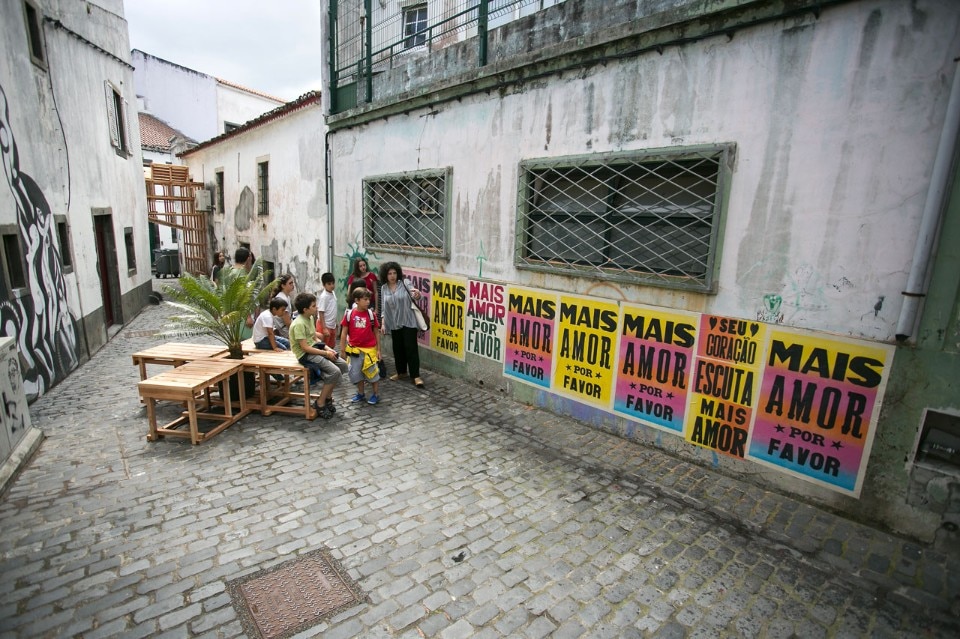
<point>218,309</point>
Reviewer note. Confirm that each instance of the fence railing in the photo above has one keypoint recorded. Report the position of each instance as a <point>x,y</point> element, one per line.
<point>368,36</point>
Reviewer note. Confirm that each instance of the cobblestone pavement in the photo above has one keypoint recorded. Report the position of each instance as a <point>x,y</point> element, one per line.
<point>459,513</point>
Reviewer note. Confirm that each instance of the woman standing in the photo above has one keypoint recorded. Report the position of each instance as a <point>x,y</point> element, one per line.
<point>396,295</point>
<point>361,271</point>
<point>219,261</point>
<point>284,291</point>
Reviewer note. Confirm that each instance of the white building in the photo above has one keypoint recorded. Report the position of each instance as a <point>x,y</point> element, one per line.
<point>74,234</point>
<point>199,105</point>
<point>638,212</point>
<point>269,192</point>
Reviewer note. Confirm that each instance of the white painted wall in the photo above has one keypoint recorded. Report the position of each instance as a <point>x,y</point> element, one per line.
<point>58,121</point>
<point>237,106</point>
<point>294,234</point>
<point>835,120</point>
<point>184,98</point>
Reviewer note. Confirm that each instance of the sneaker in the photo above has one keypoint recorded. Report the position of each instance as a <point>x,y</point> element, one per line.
<point>373,399</point>
<point>359,397</point>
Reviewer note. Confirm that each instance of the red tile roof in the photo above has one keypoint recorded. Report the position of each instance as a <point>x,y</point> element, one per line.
<point>155,134</point>
<point>307,99</point>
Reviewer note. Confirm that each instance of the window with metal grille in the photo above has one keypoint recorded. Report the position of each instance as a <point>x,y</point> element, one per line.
<point>263,188</point>
<point>414,26</point>
<point>650,216</point>
<point>14,268</point>
<point>63,238</point>
<point>219,176</point>
<point>131,251</point>
<point>407,213</point>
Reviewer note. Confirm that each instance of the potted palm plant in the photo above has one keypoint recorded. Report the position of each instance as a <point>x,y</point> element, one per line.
<point>219,309</point>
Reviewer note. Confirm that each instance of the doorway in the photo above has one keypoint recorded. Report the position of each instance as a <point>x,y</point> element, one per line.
<point>107,267</point>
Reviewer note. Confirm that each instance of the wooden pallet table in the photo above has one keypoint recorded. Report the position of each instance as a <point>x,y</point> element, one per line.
<point>276,397</point>
<point>191,383</point>
<point>174,354</point>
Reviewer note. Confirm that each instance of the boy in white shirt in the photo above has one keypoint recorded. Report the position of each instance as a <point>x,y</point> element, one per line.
<point>327,309</point>
<point>264,336</point>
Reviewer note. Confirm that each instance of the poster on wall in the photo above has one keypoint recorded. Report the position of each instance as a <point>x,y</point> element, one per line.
<point>531,326</point>
<point>486,319</point>
<point>725,379</point>
<point>448,299</point>
<point>818,407</point>
<point>586,348</point>
<point>654,363</point>
<point>421,282</point>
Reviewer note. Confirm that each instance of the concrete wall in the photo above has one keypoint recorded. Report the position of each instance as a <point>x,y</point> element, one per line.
<point>59,161</point>
<point>835,116</point>
<point>294,234</point>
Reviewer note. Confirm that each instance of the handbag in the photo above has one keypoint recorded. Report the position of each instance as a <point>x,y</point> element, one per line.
<point>423,323</point>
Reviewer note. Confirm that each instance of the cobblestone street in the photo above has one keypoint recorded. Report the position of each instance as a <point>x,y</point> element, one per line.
<point>458,513</point>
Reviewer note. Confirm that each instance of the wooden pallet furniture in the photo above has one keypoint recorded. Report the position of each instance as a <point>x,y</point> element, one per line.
<point>174,354</point>
<point>190,384</point>
<point>275,397</point>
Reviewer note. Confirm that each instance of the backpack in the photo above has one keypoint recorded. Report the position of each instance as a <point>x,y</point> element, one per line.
<point>382,364</point>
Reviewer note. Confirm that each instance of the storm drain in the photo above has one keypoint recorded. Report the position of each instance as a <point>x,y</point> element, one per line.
<point>288,598</point>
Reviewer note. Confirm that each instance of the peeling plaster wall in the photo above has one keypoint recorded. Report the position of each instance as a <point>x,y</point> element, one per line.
<point>835,118</point>
<point>59,161</point>
<point>294,234</point>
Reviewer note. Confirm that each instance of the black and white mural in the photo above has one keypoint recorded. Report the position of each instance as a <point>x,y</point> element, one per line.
<point>40,320</point>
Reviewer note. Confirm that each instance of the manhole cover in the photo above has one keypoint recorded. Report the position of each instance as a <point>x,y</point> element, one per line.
<point>290,597</point>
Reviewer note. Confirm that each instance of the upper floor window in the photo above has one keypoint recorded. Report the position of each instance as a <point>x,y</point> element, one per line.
<point>219,195</point>
<point>34,23</point>
<point>230,126</point>
<point>407,212</point>
<point>117,120</point>
<point>263,188</point>
<point>63,238</point>
<point>414,26</point>
<point>649,217</point>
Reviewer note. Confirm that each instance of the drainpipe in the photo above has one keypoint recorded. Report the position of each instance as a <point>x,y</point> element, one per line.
<point>328,176</point>
<point>932,212</point>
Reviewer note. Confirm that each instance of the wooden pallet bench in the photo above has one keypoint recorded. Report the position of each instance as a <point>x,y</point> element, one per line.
<point>191,383</point>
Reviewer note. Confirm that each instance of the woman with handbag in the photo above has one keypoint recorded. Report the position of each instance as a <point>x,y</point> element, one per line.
<point>396,301</point>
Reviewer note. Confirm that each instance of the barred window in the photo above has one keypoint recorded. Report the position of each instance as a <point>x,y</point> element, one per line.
<point>407,213</point>
<point>263,188</point>
<point>651,216</point>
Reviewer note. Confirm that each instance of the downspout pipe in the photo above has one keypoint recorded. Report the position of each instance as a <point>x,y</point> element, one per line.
<point>932,212</point>
<point>328,177</point>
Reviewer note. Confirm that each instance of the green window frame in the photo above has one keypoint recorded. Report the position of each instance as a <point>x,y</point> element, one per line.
<point>643,217</point>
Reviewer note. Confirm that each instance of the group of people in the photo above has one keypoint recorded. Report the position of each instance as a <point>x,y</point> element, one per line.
<point>308,326</point>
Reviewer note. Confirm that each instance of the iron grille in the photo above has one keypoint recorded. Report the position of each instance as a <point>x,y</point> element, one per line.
<point>407,213</point>
<point>651,216</point>
<point>394,28</point>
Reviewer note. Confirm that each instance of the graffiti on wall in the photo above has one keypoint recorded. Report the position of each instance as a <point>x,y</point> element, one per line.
<point>40,321</point>
<point>801,402</point>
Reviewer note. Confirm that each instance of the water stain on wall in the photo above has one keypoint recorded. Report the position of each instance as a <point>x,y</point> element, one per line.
<point>244,213</point>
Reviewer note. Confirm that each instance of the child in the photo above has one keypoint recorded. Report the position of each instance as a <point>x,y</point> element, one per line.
<point>327,309</point>
<point>361,329</point>
<point>264,336</point>
<point>322,361</point>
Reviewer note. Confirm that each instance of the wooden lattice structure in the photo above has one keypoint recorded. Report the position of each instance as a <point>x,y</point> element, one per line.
<point>171,201</point>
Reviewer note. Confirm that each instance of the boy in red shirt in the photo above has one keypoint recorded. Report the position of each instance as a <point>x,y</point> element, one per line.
<point>361,330</point>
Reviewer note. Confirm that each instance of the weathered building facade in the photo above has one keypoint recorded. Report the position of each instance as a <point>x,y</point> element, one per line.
<point>690,223</point>
<point>75,258</point>
<point>268,189</point>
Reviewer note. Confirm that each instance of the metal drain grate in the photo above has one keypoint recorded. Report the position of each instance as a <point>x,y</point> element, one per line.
<point>288,598</point>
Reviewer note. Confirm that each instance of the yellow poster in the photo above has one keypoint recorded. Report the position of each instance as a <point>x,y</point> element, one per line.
<point>586,349</point>
<point>448,297</point>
